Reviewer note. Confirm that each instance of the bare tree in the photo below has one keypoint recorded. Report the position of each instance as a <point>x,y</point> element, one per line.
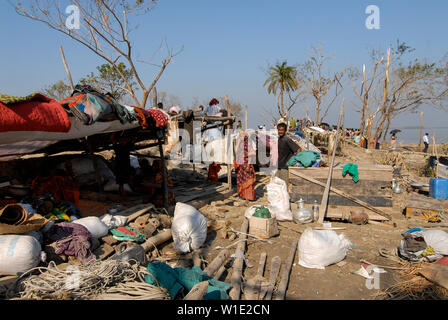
<point>104,29</point>
<point>319,83</point>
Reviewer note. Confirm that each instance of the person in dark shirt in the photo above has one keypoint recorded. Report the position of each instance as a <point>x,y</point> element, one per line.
<point>286,149</point>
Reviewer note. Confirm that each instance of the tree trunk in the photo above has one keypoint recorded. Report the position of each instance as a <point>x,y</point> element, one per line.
<point>385,110</point>
<point>317,112</point>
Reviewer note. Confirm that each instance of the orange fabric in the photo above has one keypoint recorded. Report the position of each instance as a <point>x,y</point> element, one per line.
<point>60,187</point>
<point>246,189</point>
<point>213,170</point>
<point>141,117</point>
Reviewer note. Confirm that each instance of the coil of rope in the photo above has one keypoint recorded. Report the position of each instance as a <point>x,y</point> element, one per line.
<point>124,279</point>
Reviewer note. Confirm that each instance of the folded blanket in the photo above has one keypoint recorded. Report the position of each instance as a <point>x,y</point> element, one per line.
<point>35,112</point>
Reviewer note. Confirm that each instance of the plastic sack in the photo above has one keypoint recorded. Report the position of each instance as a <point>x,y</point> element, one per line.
<point>321,248</point>
<point>278,199</point>
<point>95,226</point>
<point>112,221</point>
<point>438,239</point>
<point>18,254</point>
<point>189,228</point>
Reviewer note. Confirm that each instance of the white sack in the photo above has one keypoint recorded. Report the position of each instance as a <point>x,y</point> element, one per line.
<point>95,226</point>
<point>278,199</point>
<point>438,239</point>
<point>321,248</point>
<point>189,228</point>
<point>18,254</point>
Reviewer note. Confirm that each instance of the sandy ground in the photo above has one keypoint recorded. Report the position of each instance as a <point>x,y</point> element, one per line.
<point>335,281</point>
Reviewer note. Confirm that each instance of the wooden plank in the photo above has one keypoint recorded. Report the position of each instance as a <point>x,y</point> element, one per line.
<point>344,194</point>
<point>357,191</point>
<point>337,200</point>
<point>378,174</point>
<point>343,184</point>
<point>283,286</point>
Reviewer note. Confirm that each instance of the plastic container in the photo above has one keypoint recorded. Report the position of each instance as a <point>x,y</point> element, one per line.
<point>438,188</point>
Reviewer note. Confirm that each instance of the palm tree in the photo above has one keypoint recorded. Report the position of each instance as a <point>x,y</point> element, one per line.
<point>283,77</point>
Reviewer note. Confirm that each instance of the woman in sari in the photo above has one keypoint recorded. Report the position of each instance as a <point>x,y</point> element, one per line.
<point>245,172</point>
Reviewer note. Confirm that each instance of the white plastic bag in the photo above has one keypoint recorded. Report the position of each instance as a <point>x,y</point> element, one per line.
<point>189,228</point>
<point>18,254</point>
<point>278,199</point>
<point>251,210</point>
<point>95,226</point>
<point>113,222</point>
<point>321,248</point>
<point>438,239</point>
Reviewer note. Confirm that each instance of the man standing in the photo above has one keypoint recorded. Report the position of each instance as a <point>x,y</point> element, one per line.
<point>426,142</point>
<point>286,149</point>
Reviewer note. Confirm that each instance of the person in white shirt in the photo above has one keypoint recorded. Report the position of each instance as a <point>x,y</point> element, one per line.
<point>426,142</point>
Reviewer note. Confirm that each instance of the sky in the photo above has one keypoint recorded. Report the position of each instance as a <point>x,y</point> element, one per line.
<point>228,44</point>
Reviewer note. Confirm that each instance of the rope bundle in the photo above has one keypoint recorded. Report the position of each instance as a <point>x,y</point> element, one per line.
<point>86,281</point>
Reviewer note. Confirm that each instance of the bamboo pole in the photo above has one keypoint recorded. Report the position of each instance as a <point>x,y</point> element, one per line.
<point>66,69</point>
<point>324,202</point>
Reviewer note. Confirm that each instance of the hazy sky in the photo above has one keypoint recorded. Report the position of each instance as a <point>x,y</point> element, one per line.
<point>228,43</point>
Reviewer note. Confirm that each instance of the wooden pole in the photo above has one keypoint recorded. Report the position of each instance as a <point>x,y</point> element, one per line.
<point>421,128</point>
<point>159,238</point>
<point>286,272</point>
<point>66,69</point>
<point>198,291</point>
<point>345,195</point>
<point>238,264</point>
<point>217,262</point>
<point>324,203</point>
<point>228,140</point>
